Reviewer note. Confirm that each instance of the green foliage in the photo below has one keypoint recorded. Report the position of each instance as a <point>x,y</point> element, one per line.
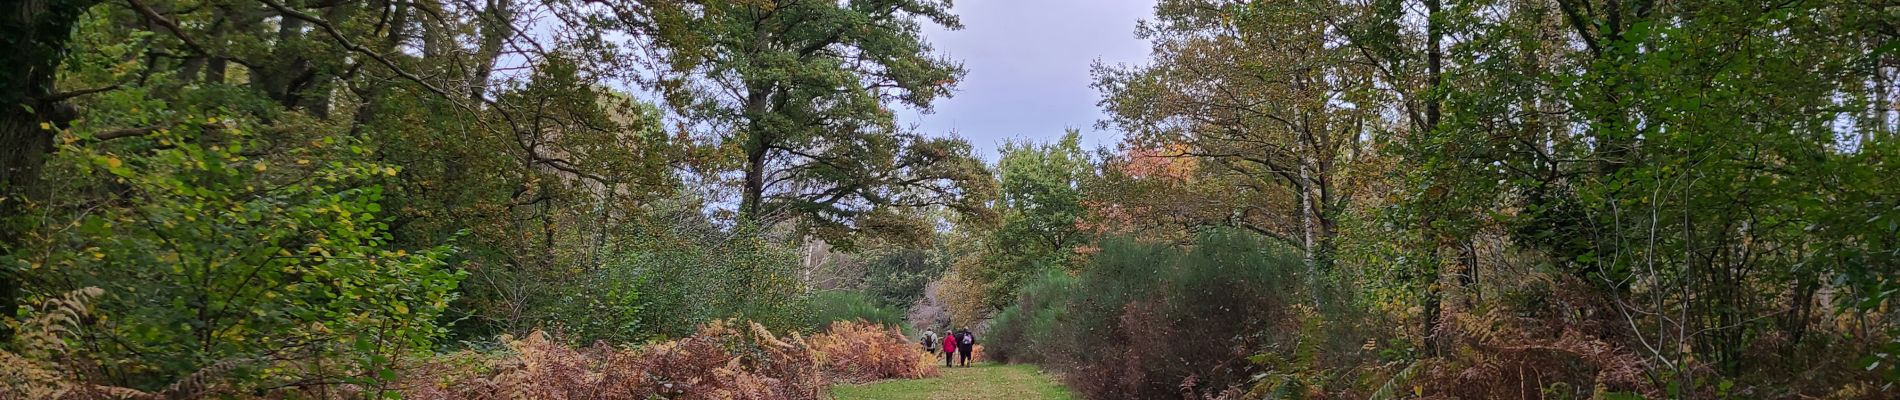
<point>897,277</point>
<point>692,278</point>
<point>1722,182</point>
<point>1025,332</point>
<point>844,306</point>
<point>1041,208</point>
<point>656,280</point>
<point>798,94</point>
<point>1151,320</point>
<point>219,256</point>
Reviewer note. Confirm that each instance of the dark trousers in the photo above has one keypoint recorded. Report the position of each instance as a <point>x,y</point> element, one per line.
<point>948,356</point>
<point>964,351</point>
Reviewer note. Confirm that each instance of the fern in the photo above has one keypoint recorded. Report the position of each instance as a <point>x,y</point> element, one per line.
<point>1390,390</point>
<point>40,371</point>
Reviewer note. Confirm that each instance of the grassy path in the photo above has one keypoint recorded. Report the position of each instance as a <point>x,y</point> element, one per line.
<point>982,381</point>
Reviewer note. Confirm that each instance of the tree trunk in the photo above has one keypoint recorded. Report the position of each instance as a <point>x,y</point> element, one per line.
<point>1434,68</point>
<point>756,146</point>
<point>496,26</point>
<point>1311,230</point>
<point>38,31</point>
<point>754,191</point>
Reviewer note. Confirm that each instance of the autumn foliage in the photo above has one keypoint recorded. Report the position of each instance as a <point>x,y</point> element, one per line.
<point>858,352</point>
<point>724,360</point>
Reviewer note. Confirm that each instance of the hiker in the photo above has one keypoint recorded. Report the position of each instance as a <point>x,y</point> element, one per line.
<point>930,342</point>
<point>966,342</point>
<point>949,349</point>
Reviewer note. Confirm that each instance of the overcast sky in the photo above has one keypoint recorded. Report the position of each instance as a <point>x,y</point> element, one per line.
<point>1028,63</point>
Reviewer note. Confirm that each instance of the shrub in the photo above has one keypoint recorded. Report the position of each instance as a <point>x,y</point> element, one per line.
<point>720,361</point>
<point>269,271</point>
<point>829,308</point>
<point>660,285</point>
<point>897,277</point>
<point>859,351</point>
<point>1155,321</point>
<point>1017,330</point>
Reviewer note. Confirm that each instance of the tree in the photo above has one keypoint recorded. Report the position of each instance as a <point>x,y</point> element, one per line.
<point>36,32</point>
<point>250,168</point>
<point>1258,91</point>
<point>1040,210</point>
<point>799,91</point>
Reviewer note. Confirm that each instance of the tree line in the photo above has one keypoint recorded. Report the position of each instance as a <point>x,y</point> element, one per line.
<point>1583,198</point>
<point>286,194</point>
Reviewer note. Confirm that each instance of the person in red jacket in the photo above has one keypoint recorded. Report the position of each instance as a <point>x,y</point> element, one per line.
<point>949,349</point>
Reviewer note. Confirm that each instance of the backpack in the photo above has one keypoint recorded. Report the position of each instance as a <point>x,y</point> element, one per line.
<point>968,338</point>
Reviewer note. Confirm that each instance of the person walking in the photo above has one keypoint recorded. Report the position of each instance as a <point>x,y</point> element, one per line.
<point>949,349</point>
<point>930,342</point>
<point>966,342</point>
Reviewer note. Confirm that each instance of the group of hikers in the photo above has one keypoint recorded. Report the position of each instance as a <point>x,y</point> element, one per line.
<point>960,342</point>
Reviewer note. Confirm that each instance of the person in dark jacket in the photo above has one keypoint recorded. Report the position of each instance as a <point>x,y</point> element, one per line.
<point>966,342</point>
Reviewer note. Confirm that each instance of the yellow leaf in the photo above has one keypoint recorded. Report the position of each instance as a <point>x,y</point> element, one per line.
<point>114,162</point>
<point>389,171</point>
<point>260,167</point>
<point>46,126</point>
<point>302,162</point>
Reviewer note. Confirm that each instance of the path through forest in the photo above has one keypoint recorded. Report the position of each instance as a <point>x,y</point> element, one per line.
<point>983,381</point>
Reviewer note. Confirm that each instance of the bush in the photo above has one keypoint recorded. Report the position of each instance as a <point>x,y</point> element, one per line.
<point>1020,332</point>
<point>1155,321</point>
<point>270,271</point>
<point>832,307</point>
<point>663,285</point>
<point>720,361</point>
<point>897,277</point>
<point>859,352</point>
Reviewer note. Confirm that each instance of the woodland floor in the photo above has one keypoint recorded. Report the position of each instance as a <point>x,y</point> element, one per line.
<point>981,381</point>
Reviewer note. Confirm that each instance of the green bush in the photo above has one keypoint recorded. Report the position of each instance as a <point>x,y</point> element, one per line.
<point>1156,321</point>
<point>896,277</point>
<point>217,258</point>
<point>1018,333</point>
<point>691,279</point>
<point>835,306</point>
<point>662,279</point>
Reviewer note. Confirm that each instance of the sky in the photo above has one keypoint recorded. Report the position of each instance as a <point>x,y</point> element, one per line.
<point>1028,64</point>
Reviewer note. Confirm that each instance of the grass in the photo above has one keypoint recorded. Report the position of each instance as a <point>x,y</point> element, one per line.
<point>982,381</point>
